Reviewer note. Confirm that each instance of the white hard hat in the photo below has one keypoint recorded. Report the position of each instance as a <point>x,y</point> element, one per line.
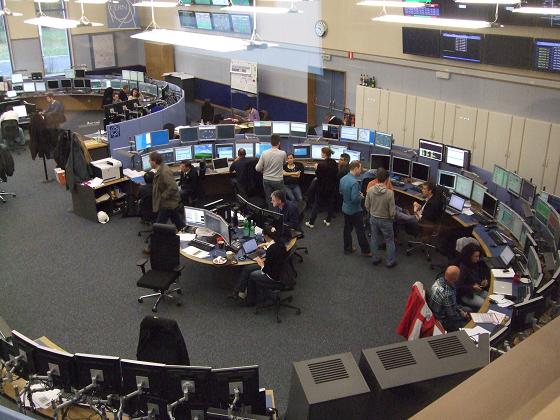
<point>102,217</point>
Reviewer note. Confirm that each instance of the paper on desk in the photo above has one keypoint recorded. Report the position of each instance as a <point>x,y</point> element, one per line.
<point>499,315</point>
<point>131,173</point>
<point>195,252</point>
<point>258,230</point>
<point>186,237</point>
<point>468,212</point>
<point>94,183</point>
<point>42,399</point>
<point>505,303</point>
<point>484,318</point>
<point>501,274</point>
<point>497,298</point>
<point>475,332</point>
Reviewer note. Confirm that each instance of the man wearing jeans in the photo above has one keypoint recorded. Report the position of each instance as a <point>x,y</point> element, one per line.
<point>271,164</point>
<point>380,203</point>
<point>352,209</point>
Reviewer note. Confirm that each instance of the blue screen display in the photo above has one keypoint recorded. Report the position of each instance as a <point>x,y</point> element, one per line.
<point>141,141</point>
<point>159,138</point>
<point>301,152</point>
<point>261,147</point>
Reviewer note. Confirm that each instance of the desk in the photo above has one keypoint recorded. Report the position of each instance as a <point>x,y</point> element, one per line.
<point>71,101</point>
<point>87,201</point>
<point>97,149</point>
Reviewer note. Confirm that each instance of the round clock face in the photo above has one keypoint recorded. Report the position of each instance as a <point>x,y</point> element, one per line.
<point>321,28</point>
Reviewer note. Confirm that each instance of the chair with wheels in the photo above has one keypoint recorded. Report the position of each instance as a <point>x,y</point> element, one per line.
<point>297,251</point>
<point>11,132</point>
<point>165,269</point>
<point>161,341</point>
<point>6,170</point>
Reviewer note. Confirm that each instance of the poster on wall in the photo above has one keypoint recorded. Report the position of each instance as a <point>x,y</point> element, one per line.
<point>244,76</point>
<point>103,48</point>
<point>122,15</point>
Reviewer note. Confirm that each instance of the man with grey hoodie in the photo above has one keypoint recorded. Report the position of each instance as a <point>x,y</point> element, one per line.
<point>380,203</point>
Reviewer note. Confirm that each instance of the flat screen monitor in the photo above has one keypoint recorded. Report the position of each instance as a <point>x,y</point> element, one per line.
<point>220,2</point>
<point>126,74</point>
<point>354,155</point>
<point>383,140</point>
<point>456,202</point>
<point>140,76</point>
<point>203,21</point>
<point>105,369</point>
<point>194,217</point>
<point>489,205</point>
<point>220,163</point>
<point>298,129</point>
<point>21,110</point>
<point>241,24</point>
<point>66,83</point>
<point>53,84</point>
<point>40,86</point>
<point>282,128</point>
<point>203,151</point>
<point>141,141</point>
<point>377,161</point>
<point>528,191</point>
<point>461,46</point>
<point>400,166</point>
<point>26,348</point>
<point>187,19</point>
<point>261,147</point>
<point>337,151</point>
<point>17,78</point>
<point>188,134</point>
<point>167,155</point>
<point>146,162</point>
<point>500,176</point>
<point>366,136</point>
<point>262,128</point>
<point>542,210</point>
<point>225,381</point>
<point>221,22</point>
<point>183,153</point>
<point>431,150</point>
<point>197,381</point>
<point>226,131</point>
<point>420,171</point>
<point>447,179</point>
<point>419,41</point>
<point>463,186</point>
<point>207,132</point>
<point>546,55</point>
<point>316,151</point>
<point>458,157</point>
<point>87,83</point>
<point>249,149</point>
<point>159,138</point>
<point>504,216</point>
<point>29,87</point>
<point>216,223</point>
<point>331,131</point>
<point>150,375</point>
<point>11,94</point>
<point>79,83</point>
<point>348,133</point>
<point>508,51</point>
<point>58,363</point>
<point>224,151</point>
<point>301,151</point>
<point>534,265</point>
<point>514,183</point>
<point>80,73</point>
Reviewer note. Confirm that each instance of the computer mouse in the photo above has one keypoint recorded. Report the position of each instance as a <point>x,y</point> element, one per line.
<point>505,270</point>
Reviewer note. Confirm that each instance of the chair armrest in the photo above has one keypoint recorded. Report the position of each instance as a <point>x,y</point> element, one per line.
<point>142,264</point>
<point>179,268</point>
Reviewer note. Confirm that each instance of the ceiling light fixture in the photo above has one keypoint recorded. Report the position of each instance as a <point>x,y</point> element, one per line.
<point>156,4</point>
<point>391,3</point>
<point>549,11</point>
<point>91,1</point>
<point>258,9</point>
<point>7,12</point>
<point>439,22</point>
<point>52,22</point>
<point>84,21</point>
<point>500,2</point>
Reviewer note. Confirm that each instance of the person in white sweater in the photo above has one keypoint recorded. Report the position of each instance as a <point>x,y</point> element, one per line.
<point>271,164</point>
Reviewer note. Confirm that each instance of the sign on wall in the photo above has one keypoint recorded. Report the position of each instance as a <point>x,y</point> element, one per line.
<point>122,15</point>
<point>103,47</point>
<point>244,76</point>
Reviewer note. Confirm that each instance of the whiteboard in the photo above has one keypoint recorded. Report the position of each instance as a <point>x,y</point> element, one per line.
<point>244,76</point>
<point>103,50</point>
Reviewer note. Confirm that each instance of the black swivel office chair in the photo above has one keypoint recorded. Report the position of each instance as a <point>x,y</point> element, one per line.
<point>6,170</point>
<point>170,128</point>
<point>10,132</point>
<point>161,341</point>
<point>296,253</point>
<point>164,262</point>
<point>147,216</point>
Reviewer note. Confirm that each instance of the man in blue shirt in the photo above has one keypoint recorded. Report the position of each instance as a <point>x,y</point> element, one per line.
<point>352,209</point>
<point>287,208</point>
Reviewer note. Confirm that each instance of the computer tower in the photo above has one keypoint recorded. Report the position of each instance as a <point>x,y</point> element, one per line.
<point>328,388</point>
<point>406,377</point>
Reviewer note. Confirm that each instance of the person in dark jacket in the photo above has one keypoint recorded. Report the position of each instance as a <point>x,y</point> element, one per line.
<point>165,196</point>
<point>207,112</point>
<point>287,208</point>
<point>293,174</point>
<point>123,93</point>
<point>54,114</point>
<point>240,168</point>
<point>267,270</point>
<point>474,279</point>
<point>326,189</point>
<point>107,96</point>
<point>161,341</point>
<point>188,182</point>
<point>429,213</point>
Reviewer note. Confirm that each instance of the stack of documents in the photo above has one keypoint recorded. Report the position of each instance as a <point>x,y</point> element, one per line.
<point>473,333</point>
<point>195,252</point>
<point>501,301</point>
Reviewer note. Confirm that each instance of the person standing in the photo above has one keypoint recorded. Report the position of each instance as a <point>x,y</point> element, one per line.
<point>326,187</point>
<point>123,93</point>
<point>240,168</point>
<point>271,164</point>
<point>166,198</point>
<point>293,172</point>
<point>380,203</point>
<point>54,114</point>
<point>352,209</point>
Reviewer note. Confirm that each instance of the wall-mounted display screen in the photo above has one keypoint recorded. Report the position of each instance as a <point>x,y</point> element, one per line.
<point>461,46</point>
<point>419,41</point>
<point>508,51</point>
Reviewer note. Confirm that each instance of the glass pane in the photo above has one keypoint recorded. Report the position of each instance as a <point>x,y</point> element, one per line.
<point>5,62</point>
<point>54,42</point>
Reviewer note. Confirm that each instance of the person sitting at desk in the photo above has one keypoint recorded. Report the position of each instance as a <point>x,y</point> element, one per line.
<point>123,93</point>
<point>165,196</point>
<point>252,113</point>
<point>474,280</point>
<point>116,98</point>
<point>443,300</point>
<point>135,94</point>
<point>207,112</point>
<point>188,182</point>
<point>430,212</point>
<point>292,177</point>
<point>107,97</point>
<point>326,187</point>
<point>267,269</point>
<point>240,167</point>
<point>287,208</point>
<point>271,164</point>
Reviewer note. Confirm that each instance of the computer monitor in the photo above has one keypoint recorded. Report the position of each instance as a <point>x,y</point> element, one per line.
<point>183,153</point>
<point>383,140</point>
<point>534,267</point>
<point>500,176</point>
<point>167,155</point>
<point>348,133</point>
<point>420,171</point>
<point>477,194</point>
<point>217,224</point>
<point>36,75</point>
<point>244,379</point>
<point>24,347</point>
<point>7,350</point>
<point>262,128</point>
<point>354,155</point>
<point>447,179</point>
<point>301,151</point>
<point>504,216</point>
<point>105,369</point>
<point>400,166</point>
<point>194,217</point>
<point>17,78</point>
<point>79,83</point>
<point>40,87</point>
<point>455,156</point>
<point>196,379</point>
<point>377,161</point>
<point>331,131</point>
<point>87,83</point>
<point>141,141</point>
<point>11,94</point>
<point>528,191</point>
<point>66,83</point>
<point>59,364</point>
<point>489,205</point>
<point>542,209</point>
<point>188,134</point>
<point>463,186</point>
<point>366,136</point>
<point>273,218</point>
<point>316,152</point>
<point>261,147</point>
<point>298,129</point>
<point>456,202</point>
<point>29,87</point>
<point>337,151</point>
<point>21,110</point>
<point>146,162</point>
<point>226,131</point>
<point>249,149</point>
<point>514,183</point>
<point>220,163</point>
<point>126,74</point>
<point>203,151</point>
<point>431,150</point>
<point>159,138</point>
<point>224,151</point>
<point>207,132</point>
<point>525,314</point>
<point>282,128</point>
<point>150,375</point>
<point>79,73</point>
<point>53,84</point>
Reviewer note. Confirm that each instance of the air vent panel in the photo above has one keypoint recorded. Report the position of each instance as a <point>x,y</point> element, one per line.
<point>447,346</point>
<point>328,371</point>
<point>395,358</point>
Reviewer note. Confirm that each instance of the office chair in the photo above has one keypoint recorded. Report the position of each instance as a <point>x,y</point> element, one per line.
<point>10,132</point>
<point>164,262</point>
<point>275,290</point>
<point>170,129</point>
<point>6,170</point>
<point>296,252</point>
<point>147,216</point>
<point>161,341</point>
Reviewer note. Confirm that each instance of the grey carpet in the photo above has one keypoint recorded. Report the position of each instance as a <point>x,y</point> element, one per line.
<point>74,281</point>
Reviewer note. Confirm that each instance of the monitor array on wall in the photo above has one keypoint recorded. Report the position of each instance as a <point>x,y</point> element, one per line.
<point>219,22</point>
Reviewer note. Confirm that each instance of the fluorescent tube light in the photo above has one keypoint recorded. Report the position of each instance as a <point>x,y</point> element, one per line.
<point>156,4</point>
<point>258,9</point>
<point>91,1</point>
<point>538,10</point>
<point>52,22</point>
<point>7,12</point>
<point>439,22</point>
<point>391,3</point>
<point>502,2</point>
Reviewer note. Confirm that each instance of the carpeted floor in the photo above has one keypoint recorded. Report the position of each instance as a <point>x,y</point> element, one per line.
<point>74,281</point>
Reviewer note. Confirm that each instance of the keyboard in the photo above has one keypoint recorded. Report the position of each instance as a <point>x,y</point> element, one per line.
<point>205,246</point>
<point>497,238</point>
<point>483,220</point>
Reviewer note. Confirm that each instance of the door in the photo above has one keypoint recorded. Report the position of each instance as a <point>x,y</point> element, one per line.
<point>327,94</point>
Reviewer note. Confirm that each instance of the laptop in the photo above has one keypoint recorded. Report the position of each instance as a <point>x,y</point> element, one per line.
<point>251,249</point>
<point>502,261</point>
<point>221,165</point>
<point>456,204</point>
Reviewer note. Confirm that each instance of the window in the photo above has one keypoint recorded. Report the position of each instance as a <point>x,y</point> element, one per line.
<point>5,61</point>
<point>54,42</point>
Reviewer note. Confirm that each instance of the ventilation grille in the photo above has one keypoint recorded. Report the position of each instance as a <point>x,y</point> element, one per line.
<point>395,358</point>
<point>447,347</point>
<point>328,371</point>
